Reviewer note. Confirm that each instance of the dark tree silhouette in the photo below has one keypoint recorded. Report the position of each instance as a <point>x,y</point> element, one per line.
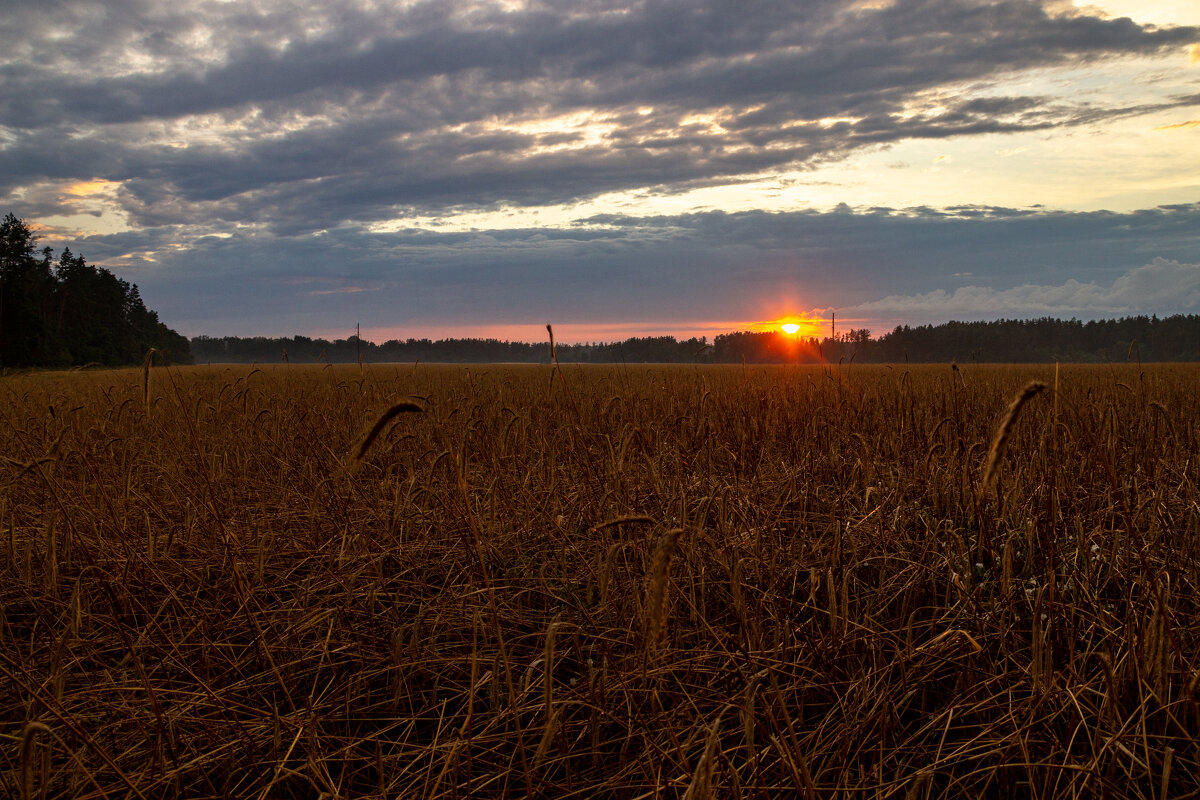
<point>70,312</point>
<point>1175,338</point>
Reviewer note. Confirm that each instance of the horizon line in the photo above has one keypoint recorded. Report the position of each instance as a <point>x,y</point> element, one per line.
<point>696,332</point>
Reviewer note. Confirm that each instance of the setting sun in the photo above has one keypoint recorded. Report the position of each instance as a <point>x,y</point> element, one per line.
<point>798,325</point>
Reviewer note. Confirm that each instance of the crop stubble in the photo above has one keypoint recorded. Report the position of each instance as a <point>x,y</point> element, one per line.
<point>271,582</point>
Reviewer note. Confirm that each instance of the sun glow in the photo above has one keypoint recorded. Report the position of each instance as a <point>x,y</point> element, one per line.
<point>806,326</point>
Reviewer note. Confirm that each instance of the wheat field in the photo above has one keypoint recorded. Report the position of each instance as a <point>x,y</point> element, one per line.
<point>606,581</point>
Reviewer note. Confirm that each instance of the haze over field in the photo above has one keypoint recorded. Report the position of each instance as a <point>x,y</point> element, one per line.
<point>686,168</point>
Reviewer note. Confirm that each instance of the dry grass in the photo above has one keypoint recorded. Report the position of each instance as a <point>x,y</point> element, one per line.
<point>671,582</point>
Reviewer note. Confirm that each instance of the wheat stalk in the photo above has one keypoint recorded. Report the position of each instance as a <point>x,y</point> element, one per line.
<point>146,377</point>
<point>656,600</point>
<point>381,423</point>
<point>996,451</point>
<point>701,784</point>
<point>32,729</point>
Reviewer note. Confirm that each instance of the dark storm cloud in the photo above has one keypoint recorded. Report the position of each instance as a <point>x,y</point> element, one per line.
<point>691,54</point>
<point>302,117</point>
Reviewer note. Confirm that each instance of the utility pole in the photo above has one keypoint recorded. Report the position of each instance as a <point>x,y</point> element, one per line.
<point>833,327</point>
<point>358,343</point>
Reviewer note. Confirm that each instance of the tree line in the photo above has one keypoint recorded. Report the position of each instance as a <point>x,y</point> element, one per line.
<point>1175,338</point>
<point>1043,340</point>
<point>302,349</point>
<point>1136,338</point>
<point>59,312</point>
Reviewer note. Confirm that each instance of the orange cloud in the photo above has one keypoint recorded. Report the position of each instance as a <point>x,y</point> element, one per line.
<point>1192,123</point>
<point>88,188</point>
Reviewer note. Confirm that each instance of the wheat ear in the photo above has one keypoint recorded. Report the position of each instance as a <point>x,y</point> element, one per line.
<point>146,376</point>
<point>996,451</point>
<point>388,416</point>
<point>656,601</point>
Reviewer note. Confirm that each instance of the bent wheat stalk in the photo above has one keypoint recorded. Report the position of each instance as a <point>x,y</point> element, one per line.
<point>32,729</point>
<point>996,451</point>
<point>388,416</point>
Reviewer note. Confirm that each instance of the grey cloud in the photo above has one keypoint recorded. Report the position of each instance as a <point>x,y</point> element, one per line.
<point>306,122</point>
<point>320,177</point>
<point>1162,287</point>
<point>679,268</point>
<point>368,112</point>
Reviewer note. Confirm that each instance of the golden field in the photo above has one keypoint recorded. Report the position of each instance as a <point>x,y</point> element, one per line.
<point>600,581</point>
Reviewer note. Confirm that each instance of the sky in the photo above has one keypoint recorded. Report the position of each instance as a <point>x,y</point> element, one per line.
<point>455,168</point>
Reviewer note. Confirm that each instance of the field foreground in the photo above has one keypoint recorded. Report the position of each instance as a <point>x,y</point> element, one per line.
<point>605,581</point>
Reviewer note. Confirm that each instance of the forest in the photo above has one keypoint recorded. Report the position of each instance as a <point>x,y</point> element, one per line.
<point>63,312</point>
<point>1136,338</point>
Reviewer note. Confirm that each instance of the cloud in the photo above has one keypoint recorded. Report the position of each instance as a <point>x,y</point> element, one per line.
<point>303,116</point>
<point>343,290</point>
<point>665,270</point>
<point>252,165</point>
<point>1161,287</point>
